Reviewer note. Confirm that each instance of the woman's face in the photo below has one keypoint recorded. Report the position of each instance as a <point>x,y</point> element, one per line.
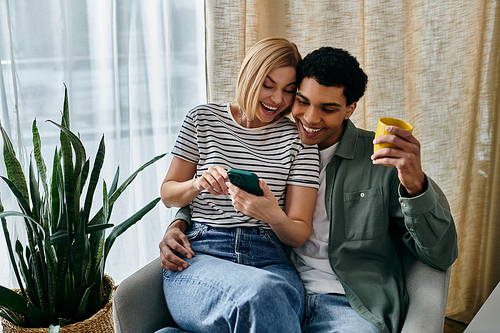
<point>276,94</point>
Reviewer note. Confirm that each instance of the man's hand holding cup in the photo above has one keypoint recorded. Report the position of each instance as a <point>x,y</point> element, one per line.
<point>395,145</point>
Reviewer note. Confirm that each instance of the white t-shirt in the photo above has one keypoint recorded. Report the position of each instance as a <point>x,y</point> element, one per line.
<point>311,259</point>
<point>210,136</point>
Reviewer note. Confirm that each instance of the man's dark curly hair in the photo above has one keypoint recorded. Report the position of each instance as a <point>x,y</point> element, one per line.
<point>333,67</point>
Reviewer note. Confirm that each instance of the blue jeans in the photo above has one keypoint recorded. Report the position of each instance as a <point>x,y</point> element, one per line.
<point>332,313</point>
<point>239,280</point>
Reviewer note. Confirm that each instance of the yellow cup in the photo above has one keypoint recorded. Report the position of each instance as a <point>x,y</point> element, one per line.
<point>387,121</point>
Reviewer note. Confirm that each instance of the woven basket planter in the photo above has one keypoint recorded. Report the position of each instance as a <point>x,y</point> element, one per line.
<point>101,322</point>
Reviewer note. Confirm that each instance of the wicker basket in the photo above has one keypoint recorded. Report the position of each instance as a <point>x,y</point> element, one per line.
<point>101,322</point>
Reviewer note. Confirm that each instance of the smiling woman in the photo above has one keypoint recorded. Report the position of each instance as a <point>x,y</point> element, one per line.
<point>132,69</point>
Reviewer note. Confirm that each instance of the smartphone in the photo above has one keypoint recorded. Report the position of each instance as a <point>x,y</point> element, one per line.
<point>246,180</point>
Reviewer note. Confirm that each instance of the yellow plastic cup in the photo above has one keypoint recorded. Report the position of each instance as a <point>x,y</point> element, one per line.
<point>387,121</point>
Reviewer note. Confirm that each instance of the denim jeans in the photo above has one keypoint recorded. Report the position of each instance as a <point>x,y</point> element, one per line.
<point>239,280</point>
<point>332,313</point>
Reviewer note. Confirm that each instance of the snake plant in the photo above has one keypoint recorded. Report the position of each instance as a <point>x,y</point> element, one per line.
<point>60,270</point>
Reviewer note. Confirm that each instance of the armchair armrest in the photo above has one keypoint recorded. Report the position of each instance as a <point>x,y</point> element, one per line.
<point>139,305</point>
<point>428,291</point>
<point>427,288</point>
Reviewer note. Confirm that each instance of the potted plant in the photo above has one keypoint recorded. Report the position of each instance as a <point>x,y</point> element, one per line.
<point>60,270</point>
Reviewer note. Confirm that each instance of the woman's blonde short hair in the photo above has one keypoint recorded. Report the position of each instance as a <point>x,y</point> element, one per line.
<point>264,57</point>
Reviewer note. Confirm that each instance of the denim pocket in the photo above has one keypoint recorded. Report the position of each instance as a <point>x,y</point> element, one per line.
<point>363,214</point>
<point>196,231</point>
<point>272,239</point>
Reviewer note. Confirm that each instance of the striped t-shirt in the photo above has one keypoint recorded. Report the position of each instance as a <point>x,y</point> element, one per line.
<point>210,136</point>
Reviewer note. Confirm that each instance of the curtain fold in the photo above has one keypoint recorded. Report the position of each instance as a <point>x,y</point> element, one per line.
<point>434,64</point>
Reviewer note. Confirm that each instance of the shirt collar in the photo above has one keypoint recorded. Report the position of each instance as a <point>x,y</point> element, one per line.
<point>347,142</point>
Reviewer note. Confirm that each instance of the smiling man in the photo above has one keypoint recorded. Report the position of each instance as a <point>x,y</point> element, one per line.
<point>365,212</point>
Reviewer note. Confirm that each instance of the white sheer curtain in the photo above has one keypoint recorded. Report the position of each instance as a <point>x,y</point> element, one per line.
<point>133,69</point>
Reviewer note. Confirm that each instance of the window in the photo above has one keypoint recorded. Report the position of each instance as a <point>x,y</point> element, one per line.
<point>133,69</point>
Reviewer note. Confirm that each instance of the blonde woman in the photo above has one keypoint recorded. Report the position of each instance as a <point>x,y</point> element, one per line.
<point>235,276</point>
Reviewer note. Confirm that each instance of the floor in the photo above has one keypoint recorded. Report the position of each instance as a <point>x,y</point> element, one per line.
<point>452,326</point>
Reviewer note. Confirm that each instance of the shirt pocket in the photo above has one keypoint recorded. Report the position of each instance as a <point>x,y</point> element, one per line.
<point>363,214</point>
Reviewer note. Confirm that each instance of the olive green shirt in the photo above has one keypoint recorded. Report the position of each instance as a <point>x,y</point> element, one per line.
<point>371,219</point>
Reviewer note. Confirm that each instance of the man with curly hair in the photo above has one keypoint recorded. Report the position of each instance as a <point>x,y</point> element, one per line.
<point>366,213</point>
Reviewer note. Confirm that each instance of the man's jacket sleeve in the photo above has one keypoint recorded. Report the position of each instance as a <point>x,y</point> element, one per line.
<point>184,214</point>
<point>431,235</point>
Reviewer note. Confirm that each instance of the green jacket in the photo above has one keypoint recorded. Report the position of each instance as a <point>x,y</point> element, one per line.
<point>371,220</point>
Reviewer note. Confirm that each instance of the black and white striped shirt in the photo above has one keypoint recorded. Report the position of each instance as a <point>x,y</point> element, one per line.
<point>210,136</point>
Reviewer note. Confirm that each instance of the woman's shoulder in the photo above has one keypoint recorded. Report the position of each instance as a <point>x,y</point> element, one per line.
<point>209,111</point>
<point>210,107</point>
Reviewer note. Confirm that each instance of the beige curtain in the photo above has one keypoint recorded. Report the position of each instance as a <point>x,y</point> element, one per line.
<point>435,64</point>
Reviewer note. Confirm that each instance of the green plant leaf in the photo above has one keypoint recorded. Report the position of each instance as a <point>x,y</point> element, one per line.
<point>39,270</point>
<point>13,301</point>
<point>34,318</point>
<point>97,239</point>
<point>112,190</point>
<point>83,305</point>
<point>62,235</point>
<point>62,269</point>
<point>95,279</point>
<point>65,116</point>
<point>81,252</point>
<point>114,184</point>
<point>68,191</point>
<point>94,179</point>
<point>124,185</point>
<point>85,173</point>
<point>11,316</point>
<point>105,203</point>
<point>80,154</point>
<point>98,227</point>
<point>11,251</point>
<point>14,169</point>
<point>23,204</point>
<point>18,214</point>
<point>55,194</point>
<point>37,150</point>
<point>39,273</point>
<point>30,284</point>
<point>72,302</point>
<point>52,275</point>
<point>122,227</point>
<point>36,201</point>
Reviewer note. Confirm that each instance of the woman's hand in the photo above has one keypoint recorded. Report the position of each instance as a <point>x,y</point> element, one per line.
<point>179,187</point>
<point>260,207</point>
<point>213,180</point>
<point>292,227</point>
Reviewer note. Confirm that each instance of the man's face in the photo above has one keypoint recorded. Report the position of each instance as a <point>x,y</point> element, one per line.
<point>319,112</point>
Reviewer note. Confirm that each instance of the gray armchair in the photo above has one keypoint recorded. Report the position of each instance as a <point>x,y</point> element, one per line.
<point>139,305</point>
